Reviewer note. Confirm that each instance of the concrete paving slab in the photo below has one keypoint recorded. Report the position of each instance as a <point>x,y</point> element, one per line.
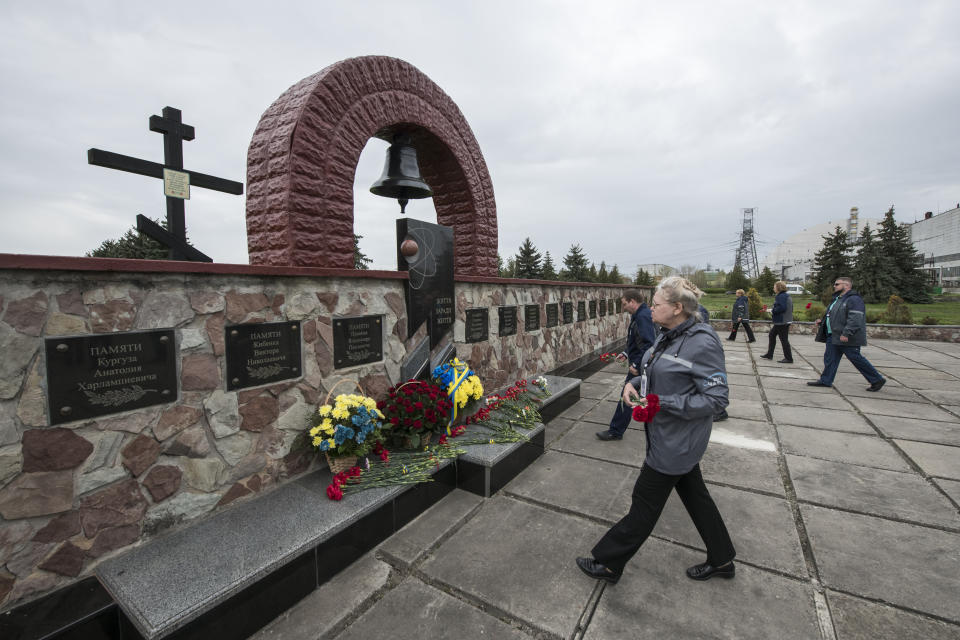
<point>915,372</point>
<point>426,530</point>
<point>602,413</point>
<point>919,430</point>
<point>889,392</point>
<point>856,619</point>
<point>935,459</point>
<point>414,610</point>
<point>743,369</point>
<point>742,467</point>
<point>951,487</point>
<point>952,369</point>
<point>330,605</point>
<point>761,527</point>
<point>655,600</point>
<point>807,399</point>
<point>747,410</point>
<point>739,392</point>
<point>577,409</point>
<point>572,483</point>
<point>796,372</point>
<point>741,378</point>
<point>791,384</point>
<point>820,418</point>
<point>869,451</point>
<point>556,428</point>
<point>883,407</point>
<point>953,408</point>
<point>582,440</point>
<point>946,397</point>
<point>903,564</point>
<point>511,556</point>
<point>905,496</point>
<point>749,434</point>
<point>607,378</point>
<point>595,390</point>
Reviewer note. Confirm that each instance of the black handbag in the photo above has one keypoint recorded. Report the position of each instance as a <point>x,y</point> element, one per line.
<point>822,330</point>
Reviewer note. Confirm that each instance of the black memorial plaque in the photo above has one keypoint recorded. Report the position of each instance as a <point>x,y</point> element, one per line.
<point>553,314</point>
<point>476,326</point>
<point>581,310</point>
<point>531,317</point>
<point>429,288</point>
<point>567,312</point>
<point>357,341</point>
<point>619,303</point>
<point>261,353</point>
<point>508,321</point>
<point>96,375</point>
<point>603,307</point>
<point>593,309</point>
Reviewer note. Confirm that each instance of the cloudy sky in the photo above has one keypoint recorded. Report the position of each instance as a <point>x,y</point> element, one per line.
<point>635,129</point>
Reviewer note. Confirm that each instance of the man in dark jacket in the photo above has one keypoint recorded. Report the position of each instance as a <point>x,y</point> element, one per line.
<point>846,332</point>
<point>640,336</point>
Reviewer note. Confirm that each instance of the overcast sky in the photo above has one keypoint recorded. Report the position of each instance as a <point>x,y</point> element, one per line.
<point>635,129</point>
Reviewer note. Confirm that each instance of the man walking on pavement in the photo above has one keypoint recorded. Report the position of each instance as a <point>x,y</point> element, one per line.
<point>639,338</point>
<point>845,332</point>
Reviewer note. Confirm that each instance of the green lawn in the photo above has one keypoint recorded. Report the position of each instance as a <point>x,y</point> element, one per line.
<point>946,310</point>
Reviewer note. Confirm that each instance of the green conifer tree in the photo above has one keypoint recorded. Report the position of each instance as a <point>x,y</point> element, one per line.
<point>765,281</point>
<point>602,275</point>
<point>360,259</point>
<point>896,244</point>
<point>575,265</point>
<point>528,262</point>
<point>644,278</point>
<point>133,244</point>
<point>831,261</point>
<point>615,277</point>
<point>736,279</point>
<point>872,269</point>
<point>549,270</point>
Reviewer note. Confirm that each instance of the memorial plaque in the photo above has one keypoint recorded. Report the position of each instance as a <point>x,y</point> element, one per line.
<point>603,307</point>
<point>531,317</point>
<point>476,326</point>
<point>553,314</point>
<point>429,288</point>
<point>96,375</point>
<point>567,312</point>
<point>593,309</point>
<point>261,353</point>
<point>508,321</point>
<point>619,303</point>
<point>581,310</point>
<point>357,341</point>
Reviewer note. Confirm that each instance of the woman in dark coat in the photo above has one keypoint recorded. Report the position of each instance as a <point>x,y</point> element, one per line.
<point>741,315</point>
<point>782,317</point>
<point>685,376</point>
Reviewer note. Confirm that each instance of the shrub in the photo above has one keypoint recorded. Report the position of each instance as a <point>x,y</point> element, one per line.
<point>754,304</point>
<point>874,317</point>
<point>722,314</point>
<point>897,311</point>
<point>814,311</point>
<point>720,290</point>
<point>929,320</point>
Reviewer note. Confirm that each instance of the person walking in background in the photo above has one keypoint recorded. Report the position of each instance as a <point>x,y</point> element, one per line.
<point>844,329</point>
<point>639,338</point>
<point>741,315</point>
<point>782,317</point>
<point>685,375</point>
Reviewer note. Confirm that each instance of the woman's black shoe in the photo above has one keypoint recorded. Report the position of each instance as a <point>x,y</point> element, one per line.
<point>705,571</point>
<point>596,570</point>
<point>766,357</point>
<point>785,361</point>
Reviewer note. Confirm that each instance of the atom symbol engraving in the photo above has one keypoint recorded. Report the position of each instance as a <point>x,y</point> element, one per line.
<point>424,265</point>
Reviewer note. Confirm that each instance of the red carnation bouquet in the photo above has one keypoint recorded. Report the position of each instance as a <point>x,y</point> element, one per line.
<point>646,413</point>
<point>415,410</point>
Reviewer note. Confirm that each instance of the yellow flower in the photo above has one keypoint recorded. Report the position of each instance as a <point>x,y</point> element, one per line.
<point>324,410</point>
<point>327,425</point>
<point>332,443</point>
<point>317,440</point>
<point>370,404</point>
<point>314,431</point>
<point>340,414</point>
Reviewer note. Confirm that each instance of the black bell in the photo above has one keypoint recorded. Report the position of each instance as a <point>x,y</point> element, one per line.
<point>401,174</point>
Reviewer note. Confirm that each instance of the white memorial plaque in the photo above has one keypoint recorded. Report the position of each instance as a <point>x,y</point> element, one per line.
<point>176,184</point>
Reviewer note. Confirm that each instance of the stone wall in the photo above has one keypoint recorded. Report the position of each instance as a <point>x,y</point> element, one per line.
<point>73,494</point>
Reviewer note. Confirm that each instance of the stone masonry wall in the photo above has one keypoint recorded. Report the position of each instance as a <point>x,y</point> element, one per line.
<point>73,494</point>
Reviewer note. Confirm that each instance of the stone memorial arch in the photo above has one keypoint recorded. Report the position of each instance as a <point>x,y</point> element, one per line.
<point>303,156</point>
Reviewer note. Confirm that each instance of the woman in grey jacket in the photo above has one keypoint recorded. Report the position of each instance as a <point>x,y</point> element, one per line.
<point>683,373</point>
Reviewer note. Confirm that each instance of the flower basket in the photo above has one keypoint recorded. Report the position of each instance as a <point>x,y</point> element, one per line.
<point>346,428</point>
<point>413,411</point>
<point>340,463</point>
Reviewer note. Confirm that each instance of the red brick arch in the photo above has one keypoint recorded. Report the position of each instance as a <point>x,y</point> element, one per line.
<point>303,156</point>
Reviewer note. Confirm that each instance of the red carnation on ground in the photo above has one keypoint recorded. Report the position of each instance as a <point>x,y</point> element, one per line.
<point>334,492</point>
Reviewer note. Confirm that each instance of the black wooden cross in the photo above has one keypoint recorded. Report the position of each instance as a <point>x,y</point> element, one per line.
<point>174,133</point>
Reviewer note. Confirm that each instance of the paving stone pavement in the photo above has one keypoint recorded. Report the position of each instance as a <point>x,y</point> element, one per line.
<point>844,506</point>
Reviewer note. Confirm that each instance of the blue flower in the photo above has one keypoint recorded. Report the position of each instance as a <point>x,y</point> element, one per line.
<point>324,445</point>
<point>339,435</point>
<point>357,419</point>
<point>361,437</point>
<point>348,433</point>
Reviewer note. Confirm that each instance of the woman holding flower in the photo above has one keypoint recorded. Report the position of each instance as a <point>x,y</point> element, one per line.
<point>681,386</point>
